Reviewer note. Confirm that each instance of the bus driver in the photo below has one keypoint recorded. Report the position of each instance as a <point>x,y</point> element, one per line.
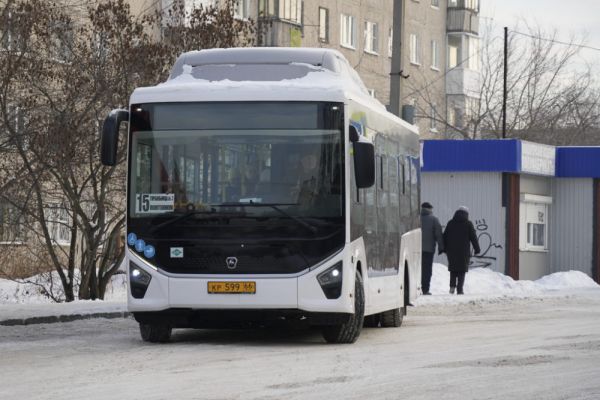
<point>306,188</point>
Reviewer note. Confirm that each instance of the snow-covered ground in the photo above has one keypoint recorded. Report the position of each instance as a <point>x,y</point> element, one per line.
<point>483,285</point>
<point>30,292</point>
<point>518,348</point>
<point>503,339</point>
<point>27,300</point>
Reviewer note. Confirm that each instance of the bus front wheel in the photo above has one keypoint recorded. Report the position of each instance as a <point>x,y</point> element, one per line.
<point>155,333</point>
<point>349,331</point>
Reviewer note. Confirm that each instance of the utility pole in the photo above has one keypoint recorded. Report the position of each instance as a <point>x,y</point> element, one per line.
<point>505,84</point>
<point>396,70</point>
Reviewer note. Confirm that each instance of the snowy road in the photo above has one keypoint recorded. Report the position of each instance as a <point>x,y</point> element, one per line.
<point>545,348</point>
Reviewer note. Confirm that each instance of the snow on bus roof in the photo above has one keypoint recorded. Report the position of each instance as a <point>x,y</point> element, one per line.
<point>255,74</point>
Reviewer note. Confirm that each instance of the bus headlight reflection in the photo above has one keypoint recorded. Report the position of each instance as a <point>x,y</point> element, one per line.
<point>331,281</point>
<point>138,281</point>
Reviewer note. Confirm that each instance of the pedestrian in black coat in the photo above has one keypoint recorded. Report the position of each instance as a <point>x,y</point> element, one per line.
<point>431,234</point>
<point>459,235</point>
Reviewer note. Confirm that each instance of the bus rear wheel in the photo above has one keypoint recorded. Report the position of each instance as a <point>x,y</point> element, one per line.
<point>349,331</point>
<point>155,333</point>
<point>392,318</point>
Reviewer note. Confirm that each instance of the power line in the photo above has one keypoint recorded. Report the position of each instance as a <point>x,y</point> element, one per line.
<point>581,46</point>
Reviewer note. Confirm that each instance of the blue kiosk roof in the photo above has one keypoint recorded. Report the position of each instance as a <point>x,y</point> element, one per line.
<point>471,156</point>
<point>504,155</point>
<point>578,162</point>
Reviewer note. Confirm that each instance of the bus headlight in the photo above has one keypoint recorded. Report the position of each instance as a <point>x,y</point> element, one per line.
<point>138,281</point>
<point>331,281</point>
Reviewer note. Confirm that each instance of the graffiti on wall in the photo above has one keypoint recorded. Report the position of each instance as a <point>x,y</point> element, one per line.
<point>487,244</point>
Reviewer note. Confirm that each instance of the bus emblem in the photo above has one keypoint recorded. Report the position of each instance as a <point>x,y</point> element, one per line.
<point>231,262</point>
<point>176,252</point>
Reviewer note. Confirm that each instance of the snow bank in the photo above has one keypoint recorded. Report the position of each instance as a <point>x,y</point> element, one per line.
<point>12,292</point>
<point>485,284</point>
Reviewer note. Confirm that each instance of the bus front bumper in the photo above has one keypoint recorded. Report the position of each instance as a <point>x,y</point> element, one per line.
<point>298,293</point>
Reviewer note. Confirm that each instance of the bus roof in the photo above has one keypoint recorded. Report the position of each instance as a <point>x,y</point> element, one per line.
<point>260,74</point>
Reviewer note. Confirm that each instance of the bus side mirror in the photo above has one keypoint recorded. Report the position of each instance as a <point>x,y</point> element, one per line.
<point>364,163</point>
<point>110,136</point>
<point>353,134</point>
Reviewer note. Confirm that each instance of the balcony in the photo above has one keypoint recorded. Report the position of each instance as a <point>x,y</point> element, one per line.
<point>472,5</point>
<point>462,21</point>
<point>463,81</point>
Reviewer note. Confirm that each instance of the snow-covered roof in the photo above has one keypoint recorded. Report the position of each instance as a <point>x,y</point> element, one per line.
<point>259,74</point>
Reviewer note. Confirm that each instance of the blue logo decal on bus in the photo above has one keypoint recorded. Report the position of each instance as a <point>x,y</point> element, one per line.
<point>358,126</point>
<point>131,239</point>
<point>149,251</point>
<point>140,245</point>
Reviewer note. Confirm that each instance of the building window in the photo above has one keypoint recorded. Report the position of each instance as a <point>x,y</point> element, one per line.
<point>241,9</point>
<point>323,25</point>
<point>371,37</point>
<point>432,124</point>
<point>348,31</point>
<point>453,51</point>
<point>435,3</point>
<point>100,46</point>
<point>289,10</point>
<point>415,56</point>
<point>14,133</point>
<point>471,4</point>
<point>11,224</point>
<point>473,47</point>
<point>534,222</point>
<point>435,56</point>
<point>455,117</point>
<point>451,117</point>
<point>371,92</point>
<point>452,3</point>
<point>390,42</point>
<point>471,111</point>
<point>10,36</point>
<point>15,118</point>
<point>58,221</point>
<point>63,40</point>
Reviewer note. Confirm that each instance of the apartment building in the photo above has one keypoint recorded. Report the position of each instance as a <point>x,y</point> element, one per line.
<point>463,64</point>
<point>439,48</point>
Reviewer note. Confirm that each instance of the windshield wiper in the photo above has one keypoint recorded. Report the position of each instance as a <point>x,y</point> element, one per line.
<point>274,206</point>
<point>181,217</point>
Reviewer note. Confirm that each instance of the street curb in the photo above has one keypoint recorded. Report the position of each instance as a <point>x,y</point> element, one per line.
<point>63,318</point>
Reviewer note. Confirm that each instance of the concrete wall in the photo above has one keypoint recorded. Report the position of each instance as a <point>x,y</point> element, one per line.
<point>425,85</point>
<point>535,264</point>
<point>482,193</point>
<point>571,238</point>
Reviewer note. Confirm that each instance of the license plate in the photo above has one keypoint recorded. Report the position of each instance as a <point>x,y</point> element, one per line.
<point>232,287</point>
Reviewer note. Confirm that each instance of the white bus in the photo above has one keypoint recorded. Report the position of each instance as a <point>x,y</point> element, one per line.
<point>266,185</point>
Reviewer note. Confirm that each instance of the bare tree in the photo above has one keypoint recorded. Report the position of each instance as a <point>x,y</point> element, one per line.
<point>66,71</point>
<point>552,98</point>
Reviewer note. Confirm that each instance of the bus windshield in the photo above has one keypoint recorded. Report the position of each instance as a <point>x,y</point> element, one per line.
<point>253,160</point>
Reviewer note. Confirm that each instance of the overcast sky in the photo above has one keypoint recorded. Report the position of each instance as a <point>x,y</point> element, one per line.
<point>574,17</point>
